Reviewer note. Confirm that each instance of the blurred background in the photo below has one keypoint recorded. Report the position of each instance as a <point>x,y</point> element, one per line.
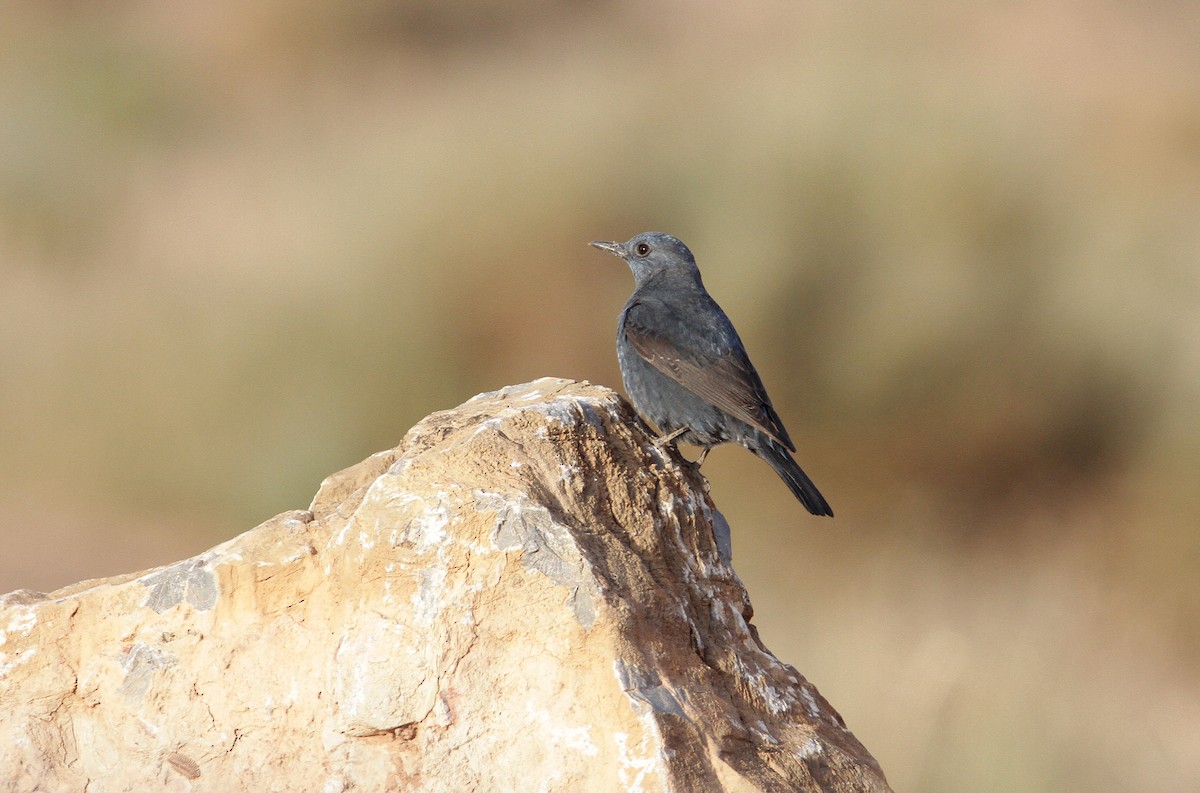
<point>244,246</point>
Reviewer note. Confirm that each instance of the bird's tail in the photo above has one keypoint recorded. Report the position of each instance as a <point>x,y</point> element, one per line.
<point>790,472</point>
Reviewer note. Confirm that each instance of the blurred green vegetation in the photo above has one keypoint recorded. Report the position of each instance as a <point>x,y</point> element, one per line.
<point>243,247</point>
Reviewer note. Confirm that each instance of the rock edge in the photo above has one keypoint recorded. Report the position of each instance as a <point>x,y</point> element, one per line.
<point>525,594</point>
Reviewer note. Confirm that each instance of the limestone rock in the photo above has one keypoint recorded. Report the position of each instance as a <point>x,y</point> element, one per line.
<point>525,595</point>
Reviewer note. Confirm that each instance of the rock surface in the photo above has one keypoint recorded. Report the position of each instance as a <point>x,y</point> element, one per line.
<point>525,595</point>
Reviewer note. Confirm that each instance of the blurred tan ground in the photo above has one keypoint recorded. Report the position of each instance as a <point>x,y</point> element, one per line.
<point>243,247</point>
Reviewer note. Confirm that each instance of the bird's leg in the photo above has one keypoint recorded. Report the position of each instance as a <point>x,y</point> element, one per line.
<point>704,453</point>
<point>664,440</point>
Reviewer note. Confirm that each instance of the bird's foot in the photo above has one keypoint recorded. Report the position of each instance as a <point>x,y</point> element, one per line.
<point>665,444</point>
<point>669,439</point>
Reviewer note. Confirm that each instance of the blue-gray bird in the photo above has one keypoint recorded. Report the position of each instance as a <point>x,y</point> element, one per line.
<point>685,367</point>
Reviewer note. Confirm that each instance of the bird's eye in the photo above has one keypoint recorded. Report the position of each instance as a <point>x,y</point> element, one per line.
<point>642,249</point>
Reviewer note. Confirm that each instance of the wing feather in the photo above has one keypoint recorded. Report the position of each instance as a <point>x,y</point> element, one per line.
<point>727,381</point>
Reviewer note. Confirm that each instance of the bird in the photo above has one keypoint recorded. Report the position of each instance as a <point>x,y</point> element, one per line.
<point>685,367</point>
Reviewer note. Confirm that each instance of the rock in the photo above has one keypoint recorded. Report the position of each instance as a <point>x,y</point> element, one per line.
<point>524,595</point>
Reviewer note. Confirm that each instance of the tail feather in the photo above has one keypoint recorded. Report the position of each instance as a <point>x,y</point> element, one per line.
<point>790,472</point>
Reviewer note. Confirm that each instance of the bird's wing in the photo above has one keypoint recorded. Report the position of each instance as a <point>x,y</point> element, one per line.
<point>726,378</point>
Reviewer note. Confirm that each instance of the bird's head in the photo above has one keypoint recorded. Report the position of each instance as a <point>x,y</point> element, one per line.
<point>651,253</point>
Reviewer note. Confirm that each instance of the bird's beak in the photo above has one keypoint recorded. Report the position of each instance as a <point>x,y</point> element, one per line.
<point>612,247</point>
